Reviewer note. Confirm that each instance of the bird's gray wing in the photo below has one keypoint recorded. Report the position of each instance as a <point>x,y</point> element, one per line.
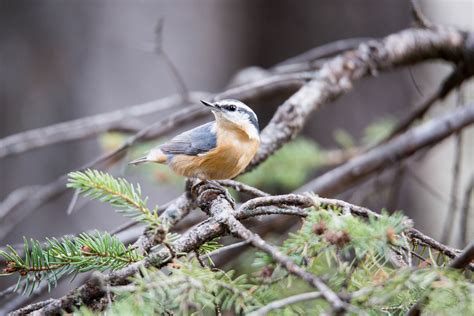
<point>197,141</point>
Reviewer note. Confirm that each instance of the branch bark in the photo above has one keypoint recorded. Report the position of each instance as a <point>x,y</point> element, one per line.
<point>222,212</point>
<point>383,156</point>
<point>338,74</point>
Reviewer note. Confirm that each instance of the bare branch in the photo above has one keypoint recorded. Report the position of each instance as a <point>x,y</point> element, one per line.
<point>178,78</point>
<point>224,249</point>
<point>338,74</point>
<point>453,205</point>
<point>242,187</point>
<point>300,201</point>
<point>286,301</point>
<point>420,19</point>
<point>383,156</point>
<point>449,84</point>
<point>464,259</point>
<point>47,192</point>
<point>119,120</point>
<point>463,218</point>
<point>307,60</point>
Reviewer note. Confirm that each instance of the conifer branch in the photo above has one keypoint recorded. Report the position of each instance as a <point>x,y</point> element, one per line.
<point>117,192</point>
<point>69,255</point>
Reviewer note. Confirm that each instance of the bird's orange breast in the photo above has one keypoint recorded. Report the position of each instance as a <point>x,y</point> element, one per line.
<point>233,153</point>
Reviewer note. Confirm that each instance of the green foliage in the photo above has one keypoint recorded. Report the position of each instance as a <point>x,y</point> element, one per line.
<point>117,192</point>
<point>351,254</point>
<point>372,134</point>
<point>377,131</point>
<point>189,289</point>
<point>344,139</point>
<point>325,231</point>
<point>305,156</point>
<point>302,155</point>
<point>69,255</point>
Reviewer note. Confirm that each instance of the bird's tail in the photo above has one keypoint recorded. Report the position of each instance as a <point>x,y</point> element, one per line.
<point>139,161</point>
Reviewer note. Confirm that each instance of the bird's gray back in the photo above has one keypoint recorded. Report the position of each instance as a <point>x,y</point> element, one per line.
<point>196,141</point>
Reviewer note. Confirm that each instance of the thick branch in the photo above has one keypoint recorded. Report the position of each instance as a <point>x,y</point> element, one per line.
<point>198,235</point>
<point>341,178</point>
<point>339,73</point>
<point>464,259</point>
<point>221,210</point>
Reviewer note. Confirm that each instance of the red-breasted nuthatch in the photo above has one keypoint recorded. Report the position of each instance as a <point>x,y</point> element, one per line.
<point>213,151</point>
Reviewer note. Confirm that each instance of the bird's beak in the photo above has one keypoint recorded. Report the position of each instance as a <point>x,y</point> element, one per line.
<point>214,107</point>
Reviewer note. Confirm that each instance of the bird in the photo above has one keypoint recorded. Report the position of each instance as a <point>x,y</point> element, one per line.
<point>218,150</point>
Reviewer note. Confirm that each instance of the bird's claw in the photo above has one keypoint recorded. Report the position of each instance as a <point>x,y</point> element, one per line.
<point>204,185</point>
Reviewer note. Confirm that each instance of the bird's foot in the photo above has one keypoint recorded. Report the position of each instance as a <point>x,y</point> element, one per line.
<point>212,185</point>
<point>224,191</point>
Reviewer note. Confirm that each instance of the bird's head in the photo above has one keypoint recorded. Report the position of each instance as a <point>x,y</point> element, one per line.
<point>235,113</point>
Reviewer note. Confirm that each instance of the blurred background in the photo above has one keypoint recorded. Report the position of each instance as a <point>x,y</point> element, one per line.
<point>62,60</point>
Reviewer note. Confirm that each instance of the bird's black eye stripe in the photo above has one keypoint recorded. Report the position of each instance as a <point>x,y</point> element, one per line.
<point>230,107</point>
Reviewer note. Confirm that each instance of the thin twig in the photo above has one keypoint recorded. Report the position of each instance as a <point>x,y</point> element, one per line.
<point>285,302</point>
<point>417,113</point>
<point>460,262</point>
<point>464,216</point>
<point>73,202</point>
<point>178,78</point>
<point>420,19</point>
<point>453,205</point>
<point>224,249</point>
<point>242,187</point>
<point>393,196</point>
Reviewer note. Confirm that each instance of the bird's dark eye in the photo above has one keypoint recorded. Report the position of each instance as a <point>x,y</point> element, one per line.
<point>231,108</point>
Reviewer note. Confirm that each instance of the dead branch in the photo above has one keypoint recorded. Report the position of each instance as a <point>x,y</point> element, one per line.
<point>383,156</point>
<point>419,18</point>
<point>453,204</point>
<point>463,218</point>
<point>464,259</point>
<point>339,73</point>
<point>286,301</point>
<point>124,120</point>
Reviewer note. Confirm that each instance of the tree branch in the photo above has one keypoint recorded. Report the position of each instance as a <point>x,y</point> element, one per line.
<point>383,156</point>
<point>119,120</point>
<point>460,262</point>
<point>286,301</point>
<point>463,218</point>
<point>453,200</point>
<point>221,210</point>
<point>339,73</point>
